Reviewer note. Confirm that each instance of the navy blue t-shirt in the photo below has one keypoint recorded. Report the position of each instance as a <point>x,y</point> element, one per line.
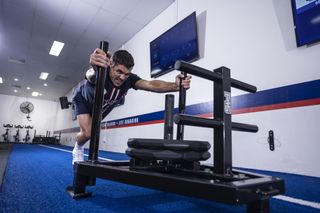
<point>113,96</point>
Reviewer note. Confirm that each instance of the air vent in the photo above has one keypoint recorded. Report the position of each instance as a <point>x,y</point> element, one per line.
<point>16,86</point>
<point>61,78</point>
<point>16,60</point>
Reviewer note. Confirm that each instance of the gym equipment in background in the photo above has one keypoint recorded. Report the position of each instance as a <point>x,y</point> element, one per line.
<point>27,137</point>
<point>17,135</point>
<point>6,135</point>
<point>183,175</point>
<point>27,107</point>
<point>47,139</point>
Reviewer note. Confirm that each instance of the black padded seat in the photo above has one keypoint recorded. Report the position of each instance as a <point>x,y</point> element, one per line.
<point>174,145</point>
<point>185,156</point>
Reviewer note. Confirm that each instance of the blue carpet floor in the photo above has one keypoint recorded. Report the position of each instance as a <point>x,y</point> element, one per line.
<point>36,178</point>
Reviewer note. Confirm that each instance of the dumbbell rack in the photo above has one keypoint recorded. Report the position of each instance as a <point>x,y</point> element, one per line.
<point>220,182</point>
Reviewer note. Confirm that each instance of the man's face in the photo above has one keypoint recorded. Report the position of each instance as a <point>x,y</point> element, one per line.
<point>119,74</point>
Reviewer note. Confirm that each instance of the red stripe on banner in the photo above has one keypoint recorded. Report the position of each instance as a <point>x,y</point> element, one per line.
<point>278,106</point>
<point>207,115</point>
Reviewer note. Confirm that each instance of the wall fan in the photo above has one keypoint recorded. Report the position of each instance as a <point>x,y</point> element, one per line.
<point>26,107</point>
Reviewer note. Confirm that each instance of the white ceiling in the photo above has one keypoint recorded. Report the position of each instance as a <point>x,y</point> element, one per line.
<point>29,27</point>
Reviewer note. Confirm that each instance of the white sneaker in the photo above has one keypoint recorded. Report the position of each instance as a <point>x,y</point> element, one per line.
<point>77,155</point>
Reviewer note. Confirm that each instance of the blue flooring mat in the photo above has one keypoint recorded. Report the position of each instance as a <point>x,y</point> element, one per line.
<point>36,178</point>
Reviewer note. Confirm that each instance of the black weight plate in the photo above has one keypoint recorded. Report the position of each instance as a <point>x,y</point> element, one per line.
<point>175,145</point>
<point>147,154</point>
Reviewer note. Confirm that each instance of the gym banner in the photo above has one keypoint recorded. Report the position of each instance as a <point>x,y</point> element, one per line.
<point>296,95</point>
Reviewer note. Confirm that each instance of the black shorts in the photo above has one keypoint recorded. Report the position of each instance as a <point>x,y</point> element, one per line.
<point>81,105</point>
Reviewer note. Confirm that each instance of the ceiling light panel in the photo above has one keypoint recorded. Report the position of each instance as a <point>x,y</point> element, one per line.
<point>35,94</point>
<point>56,48</point>
<point>44,75</point>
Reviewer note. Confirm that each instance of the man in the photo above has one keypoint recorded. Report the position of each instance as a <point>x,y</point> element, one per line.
<point>119,80</point>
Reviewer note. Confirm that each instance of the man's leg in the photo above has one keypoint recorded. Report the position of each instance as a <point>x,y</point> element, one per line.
<point>85,122</point>
<point>82,137</point>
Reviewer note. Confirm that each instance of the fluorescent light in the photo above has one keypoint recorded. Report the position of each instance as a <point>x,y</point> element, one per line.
<point>43,75</point>
<point>56,48</point>
<point>16,79</point>
<point>45,84</point>
<point>40,94</point>
<point>35,93</point>
<point>28,88</point>
<point>15,91</point>
<point>1,82</point>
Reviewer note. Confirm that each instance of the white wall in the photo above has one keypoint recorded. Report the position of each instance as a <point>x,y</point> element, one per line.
<point>42,117</point>
<point>255,39</point>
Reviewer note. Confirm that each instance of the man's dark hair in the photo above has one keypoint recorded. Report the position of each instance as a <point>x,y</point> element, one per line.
<point>124,58</point>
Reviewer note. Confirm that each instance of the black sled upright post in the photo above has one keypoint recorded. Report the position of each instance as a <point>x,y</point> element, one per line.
<point>81,181</point>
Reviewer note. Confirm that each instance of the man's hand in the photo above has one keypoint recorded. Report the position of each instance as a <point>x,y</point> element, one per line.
<point>185,82</point>
<point>100,58</point>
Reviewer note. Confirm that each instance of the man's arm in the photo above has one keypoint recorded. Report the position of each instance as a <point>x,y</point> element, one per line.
<point>163,86</point>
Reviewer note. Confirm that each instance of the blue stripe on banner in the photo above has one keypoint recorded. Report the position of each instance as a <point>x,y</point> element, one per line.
<point>286,94</point>
<point>199,109</point>
<point>283,96</point>
<point>292,93</point>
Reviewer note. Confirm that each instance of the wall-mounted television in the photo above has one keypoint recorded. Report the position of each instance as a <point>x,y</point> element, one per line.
<point>306,14</point>
<point>178,43</point>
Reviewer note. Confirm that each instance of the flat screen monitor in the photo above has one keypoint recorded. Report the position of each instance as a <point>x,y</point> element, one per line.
<point>178,43</point>
<point>306,14</point>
